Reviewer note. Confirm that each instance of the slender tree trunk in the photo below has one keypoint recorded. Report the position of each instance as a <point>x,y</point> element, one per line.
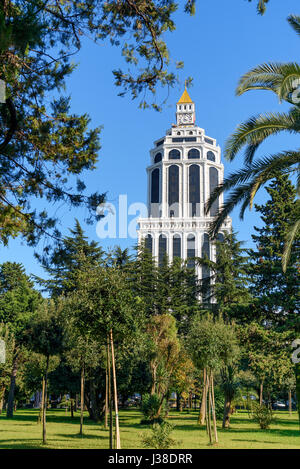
<point>110,403</point>
<point>72,407</point>
<point>2,393</point>
<point>261,391</point>
<point>11,395</point>
<point>290,402</point>
<point>213,407</point>
<point>118,442</point>
<point>106,392</point>
<point>208,410</point>
<point>297,372</point>
<point>40,416</point>
<point>202,411</point>
<point>45,403</point>
<point>81,400</point>
<point>153,368</point>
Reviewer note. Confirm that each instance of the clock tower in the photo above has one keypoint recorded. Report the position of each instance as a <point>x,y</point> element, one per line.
<point>185,111</point>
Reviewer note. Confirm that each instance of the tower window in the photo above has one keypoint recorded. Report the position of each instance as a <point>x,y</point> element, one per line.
<point>148,243</point>
<point>157,158</point>
<point>176,246</point>
<point>211,156</point>
<point>174,155</point>
<point>191,251</point>
<point>162,248</point>
<point>213,183</point>
<point>194,191</point>
<point>174,191</point>
<point>193,154</point>
<point>155,186</point>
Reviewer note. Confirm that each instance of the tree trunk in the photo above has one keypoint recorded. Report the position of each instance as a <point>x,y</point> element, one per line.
<point>118,442</point>
<point>45,403</point>
<point>153,369</point>
<point>208,411</point>
<point>213,407</point>
<point>202,411</point>
<point>81,400</point>
<point>2,393</point>
<point>297,371</point>
<point>72,407</point>
<point>110,403</point>
<point>178,402</point>
<point>261,391</point>
<point>11,395</point>
<point>106,392</point>
<point>94,404</point>
<point>290,402</point>
<point>40,416</point>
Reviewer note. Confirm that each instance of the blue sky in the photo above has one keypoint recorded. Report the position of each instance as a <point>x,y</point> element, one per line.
<point>218,45</point>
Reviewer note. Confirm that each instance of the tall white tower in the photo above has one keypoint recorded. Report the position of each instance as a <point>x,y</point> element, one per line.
<point>185,168</point>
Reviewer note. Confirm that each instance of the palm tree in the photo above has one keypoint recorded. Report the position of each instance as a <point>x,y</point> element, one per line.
<point>283,79</point>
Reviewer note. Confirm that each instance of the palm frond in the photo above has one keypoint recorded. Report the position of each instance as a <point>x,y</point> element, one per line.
<point>294,21</point>
<point>244,192</point>
<point>238,195</point>
<point>254,131</point>
<point>265,76</point>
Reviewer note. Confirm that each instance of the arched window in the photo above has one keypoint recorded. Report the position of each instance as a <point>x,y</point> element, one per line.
<point>155,186</point>
<point>205,269</point>
<point>213,183</point>
<point>193,154</point>
<point>162,248</point>
<point>174,190</point>
<point>157,158</point>
<point>211,156</point>
<point>176,246</point>
<point>191,251</point>
<point>174,155</point>
<point>148,243</point>
<point>194,191</point>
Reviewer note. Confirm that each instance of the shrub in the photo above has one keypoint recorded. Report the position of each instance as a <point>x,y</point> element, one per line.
<point>149,407</point>
<point>262,414</point>
<point>219,403</point>
<point>160,437</point>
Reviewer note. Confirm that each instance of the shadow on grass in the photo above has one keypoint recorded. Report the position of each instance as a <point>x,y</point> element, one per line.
<point>81,437</point>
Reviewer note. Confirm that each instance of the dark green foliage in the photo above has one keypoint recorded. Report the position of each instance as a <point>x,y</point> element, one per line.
<point>18,298</point>
<point>228,279</point>
<point>72,255</point>
<point>219,403</point>
<point>160,437</point>
<point>262,414</point>
<point>276,292</point>
<point>46,333</point>
<point>150,407</point>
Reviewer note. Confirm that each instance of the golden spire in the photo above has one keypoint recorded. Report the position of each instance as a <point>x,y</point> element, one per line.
<point>185,98</point>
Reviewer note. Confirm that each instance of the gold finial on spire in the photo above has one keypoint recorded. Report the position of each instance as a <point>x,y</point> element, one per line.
<point>185,98</point>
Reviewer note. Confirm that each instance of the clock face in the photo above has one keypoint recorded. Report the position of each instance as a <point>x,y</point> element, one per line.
<point>186,118</point>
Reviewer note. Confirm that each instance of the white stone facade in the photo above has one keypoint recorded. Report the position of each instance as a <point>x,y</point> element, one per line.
<point>177,195</point>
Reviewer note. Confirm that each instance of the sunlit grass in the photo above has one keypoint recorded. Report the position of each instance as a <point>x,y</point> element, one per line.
<point>23,432</point>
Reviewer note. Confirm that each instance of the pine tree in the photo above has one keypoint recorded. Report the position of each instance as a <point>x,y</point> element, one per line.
<point>277,293</point>
<point>67,259</point>
<point>228,279</point>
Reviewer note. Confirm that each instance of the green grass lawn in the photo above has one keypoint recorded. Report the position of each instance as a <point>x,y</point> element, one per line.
<point>23,432</point>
